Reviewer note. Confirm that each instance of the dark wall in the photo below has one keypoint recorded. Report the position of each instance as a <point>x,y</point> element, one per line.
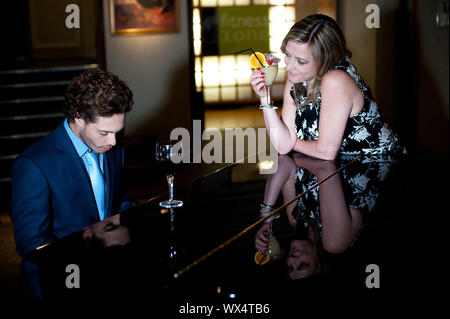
<point>433,81</point>
<point>14,32</point>
<point>413,75</point>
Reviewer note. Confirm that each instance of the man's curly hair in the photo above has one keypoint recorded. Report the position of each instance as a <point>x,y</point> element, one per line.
<point>96,93</point>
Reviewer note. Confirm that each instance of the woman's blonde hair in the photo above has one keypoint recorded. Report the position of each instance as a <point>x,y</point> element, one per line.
<point>328,48</point>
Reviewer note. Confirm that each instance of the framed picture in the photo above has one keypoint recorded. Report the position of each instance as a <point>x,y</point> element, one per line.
<point>144,16</point>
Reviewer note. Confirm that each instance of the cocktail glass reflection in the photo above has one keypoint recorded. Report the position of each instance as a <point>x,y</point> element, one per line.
<point>165,154</point>
<point>273,244</point>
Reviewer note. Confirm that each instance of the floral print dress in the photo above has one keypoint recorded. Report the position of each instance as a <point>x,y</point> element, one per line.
<point>366,133</point>
<point>362,182</point>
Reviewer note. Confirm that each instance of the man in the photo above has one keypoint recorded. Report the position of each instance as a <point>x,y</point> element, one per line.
<point>71,179</point>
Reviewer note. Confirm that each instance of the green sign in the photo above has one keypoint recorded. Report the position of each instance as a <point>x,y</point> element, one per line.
<point>242,28</point>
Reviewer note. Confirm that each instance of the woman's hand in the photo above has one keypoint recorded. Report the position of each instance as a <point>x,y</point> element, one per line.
<point>261,239</point>
<point>258,83</point>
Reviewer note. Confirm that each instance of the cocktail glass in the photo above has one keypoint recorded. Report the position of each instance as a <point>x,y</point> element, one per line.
<point>270,71</point>
<point>164,154</point>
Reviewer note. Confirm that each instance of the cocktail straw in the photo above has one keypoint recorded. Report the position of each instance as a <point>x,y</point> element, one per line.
<point>242,51</point>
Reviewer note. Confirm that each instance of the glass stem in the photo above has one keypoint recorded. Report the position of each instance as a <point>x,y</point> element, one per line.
<point>170,178</point>
<point>269,237</point>
<point>268,94</point>
<point>172,221</point>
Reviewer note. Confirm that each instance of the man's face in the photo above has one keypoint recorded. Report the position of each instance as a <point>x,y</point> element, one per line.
<point>100,135</point>
<point>110,231</point>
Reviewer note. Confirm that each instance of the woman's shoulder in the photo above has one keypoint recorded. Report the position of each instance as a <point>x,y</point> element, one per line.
<point>349,74</point>
<point>337,79</point>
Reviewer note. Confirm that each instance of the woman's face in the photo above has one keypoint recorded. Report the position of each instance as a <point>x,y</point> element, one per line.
<point>302,259</point>
<point>300,64</point>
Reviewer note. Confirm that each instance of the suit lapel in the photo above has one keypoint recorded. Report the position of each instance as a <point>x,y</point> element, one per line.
<point>76,170</point>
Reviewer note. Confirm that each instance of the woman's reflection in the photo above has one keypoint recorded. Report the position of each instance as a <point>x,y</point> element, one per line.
<point>305,255</point>
<point>326,219</point>
<point>338,222</point>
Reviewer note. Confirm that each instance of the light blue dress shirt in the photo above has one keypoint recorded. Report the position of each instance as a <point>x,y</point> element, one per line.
<point>98,184</point>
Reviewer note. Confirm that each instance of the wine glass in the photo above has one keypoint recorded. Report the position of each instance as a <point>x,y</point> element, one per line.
<point>165,153</point>
<point>270,73</point>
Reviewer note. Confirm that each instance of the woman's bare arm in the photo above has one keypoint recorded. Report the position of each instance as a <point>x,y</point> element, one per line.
<point>337,92</point>
<point>281,130</point>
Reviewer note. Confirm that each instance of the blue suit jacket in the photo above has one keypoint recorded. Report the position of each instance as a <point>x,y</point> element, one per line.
<point>51,191</point>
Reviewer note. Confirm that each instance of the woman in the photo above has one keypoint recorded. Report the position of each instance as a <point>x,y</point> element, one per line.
<point>327,109</point>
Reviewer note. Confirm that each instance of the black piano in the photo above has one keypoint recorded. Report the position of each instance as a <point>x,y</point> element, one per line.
<point>354,232</point>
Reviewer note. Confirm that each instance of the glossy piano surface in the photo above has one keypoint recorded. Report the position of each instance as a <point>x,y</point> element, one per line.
<point>348,229</point>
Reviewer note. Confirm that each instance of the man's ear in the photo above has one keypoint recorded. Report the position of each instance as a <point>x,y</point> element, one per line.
<point>79,122</point>
<point>87,234</point>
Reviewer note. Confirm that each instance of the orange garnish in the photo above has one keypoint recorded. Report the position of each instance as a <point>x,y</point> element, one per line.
<point>261,259</point>
<point>254,60</point>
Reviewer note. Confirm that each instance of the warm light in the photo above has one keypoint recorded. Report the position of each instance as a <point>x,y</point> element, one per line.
<point>275,13</point>
<point>198,64</point>
<point>210,71</point>
<point>279,27</point>
<point>228,93</point>
<point>290,14</point>
<point>227,78</point>
<point>208,3</point>
<point>40,247</point>
<point>242,2</point>
<point>210,63</point>
<point>227,70</point>
<point>198,79</point>
<point>197,47</point>
<point>226,2</point>
<point>277,2</point>
<point>245,92</point>
<point>211,94</point>
<point>196,17</point>
<point>265,165</point>
<point>275,44</point>
<point>244,72</point>
<point>227,62</point>
<point>210,78</point>
<point>198,72</point>
<point>197,30</point>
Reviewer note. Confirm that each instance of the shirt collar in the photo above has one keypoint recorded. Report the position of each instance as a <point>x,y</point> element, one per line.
<point>80,147</point>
